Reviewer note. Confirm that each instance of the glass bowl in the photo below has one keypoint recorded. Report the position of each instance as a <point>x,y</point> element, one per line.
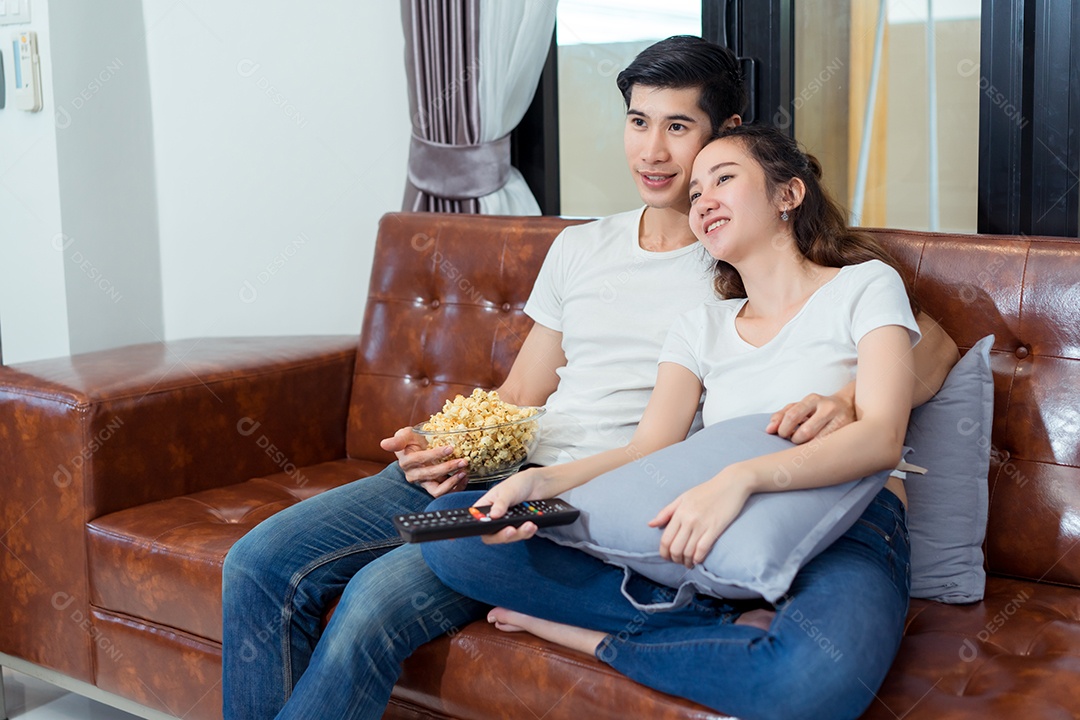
<point>494,452</point>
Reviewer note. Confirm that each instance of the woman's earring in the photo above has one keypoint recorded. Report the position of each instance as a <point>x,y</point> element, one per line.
<point>784,216</point>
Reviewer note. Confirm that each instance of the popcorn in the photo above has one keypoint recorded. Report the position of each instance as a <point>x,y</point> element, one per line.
<point>487,447</point>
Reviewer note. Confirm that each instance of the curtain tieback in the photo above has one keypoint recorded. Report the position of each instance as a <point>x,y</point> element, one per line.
<point>459,172</point>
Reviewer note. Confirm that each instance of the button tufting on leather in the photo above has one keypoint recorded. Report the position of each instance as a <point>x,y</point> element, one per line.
<point>1022,352</point>
<point>435,304</point>
<point>425,381</point>
<point>506,307</point>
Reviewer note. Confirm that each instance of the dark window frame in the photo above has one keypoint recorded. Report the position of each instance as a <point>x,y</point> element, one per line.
<point>1054,196</point>
<point>534,143</point>
<point>1029,164</point>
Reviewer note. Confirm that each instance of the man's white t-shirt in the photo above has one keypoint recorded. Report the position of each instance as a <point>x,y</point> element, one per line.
<point>613,302</point>
<point>815,352</point>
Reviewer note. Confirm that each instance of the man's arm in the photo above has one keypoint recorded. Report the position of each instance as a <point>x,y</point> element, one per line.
<point>816,416</point>
<point>531,380</point>
<point>932,359</point>
<point>533,376</point>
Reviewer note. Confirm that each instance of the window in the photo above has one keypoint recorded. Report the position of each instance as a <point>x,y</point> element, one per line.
<point>972,131</point>
<point>596,39</point>
<point>910,158</point>
<point>1027,81</point>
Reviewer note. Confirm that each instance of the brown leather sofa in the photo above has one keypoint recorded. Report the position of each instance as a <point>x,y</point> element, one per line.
<point>128,474</point>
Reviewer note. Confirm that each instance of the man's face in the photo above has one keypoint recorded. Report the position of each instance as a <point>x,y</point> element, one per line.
<point>665,129</point>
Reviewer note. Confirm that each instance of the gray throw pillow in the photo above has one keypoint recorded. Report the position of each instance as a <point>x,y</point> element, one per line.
<point>947,507</point>
<point>760,552</point>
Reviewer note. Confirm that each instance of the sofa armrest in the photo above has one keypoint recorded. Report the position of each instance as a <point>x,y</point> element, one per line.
<point>147,422</point>
<point>88,435</point>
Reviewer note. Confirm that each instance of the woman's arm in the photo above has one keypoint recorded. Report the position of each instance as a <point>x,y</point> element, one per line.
<point>666,421</point>
<point>883,391</point>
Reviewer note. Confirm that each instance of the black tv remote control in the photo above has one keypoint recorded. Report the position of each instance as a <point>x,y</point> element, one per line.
<point>464,522</point>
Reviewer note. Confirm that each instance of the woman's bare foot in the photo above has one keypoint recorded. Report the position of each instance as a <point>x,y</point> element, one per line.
<point>759,618</point>
<point>508,620</point>
<point>575,638</point>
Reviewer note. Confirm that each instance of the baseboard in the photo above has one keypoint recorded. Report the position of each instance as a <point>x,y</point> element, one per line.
<point>76,686</point>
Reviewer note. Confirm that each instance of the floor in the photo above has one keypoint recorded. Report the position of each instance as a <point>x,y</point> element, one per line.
<point>32,699</point>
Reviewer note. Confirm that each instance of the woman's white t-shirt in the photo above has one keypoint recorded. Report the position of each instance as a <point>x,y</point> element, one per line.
<point>815,352</point>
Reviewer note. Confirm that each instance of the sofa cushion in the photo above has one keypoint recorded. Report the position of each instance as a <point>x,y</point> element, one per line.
<point>1016,654</point>
<point>482,672</point>
<point>947,506</point>
<point>161,562</point>
<point>170,671</point>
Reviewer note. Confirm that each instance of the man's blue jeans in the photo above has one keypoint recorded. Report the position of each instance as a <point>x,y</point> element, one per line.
<point>826,653</point>
<point>279,580</point>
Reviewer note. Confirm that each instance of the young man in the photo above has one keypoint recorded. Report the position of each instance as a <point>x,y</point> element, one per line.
<point>593,370</point>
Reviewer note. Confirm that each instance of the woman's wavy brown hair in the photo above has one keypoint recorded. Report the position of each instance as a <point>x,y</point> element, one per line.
<point>821,233</point>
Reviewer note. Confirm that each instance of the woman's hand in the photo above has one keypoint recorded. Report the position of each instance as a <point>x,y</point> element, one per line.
<point>696,518</point>
<point>525,485</point>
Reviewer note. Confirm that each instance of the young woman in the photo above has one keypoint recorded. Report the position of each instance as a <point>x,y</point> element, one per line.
<point>805,302</point>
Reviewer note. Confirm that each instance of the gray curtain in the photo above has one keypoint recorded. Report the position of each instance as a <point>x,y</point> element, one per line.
<point>442,53</point>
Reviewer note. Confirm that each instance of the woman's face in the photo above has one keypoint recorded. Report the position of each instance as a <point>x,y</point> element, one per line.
<point>731,211</point>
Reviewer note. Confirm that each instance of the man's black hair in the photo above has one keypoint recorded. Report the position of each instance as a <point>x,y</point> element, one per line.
<point>685,61</point>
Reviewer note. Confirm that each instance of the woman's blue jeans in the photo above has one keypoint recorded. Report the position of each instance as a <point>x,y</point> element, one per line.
<point>279,580</point>
<point>825,654</point>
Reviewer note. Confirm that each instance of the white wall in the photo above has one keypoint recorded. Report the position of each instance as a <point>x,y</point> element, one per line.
<point>228,180</point>
<point>281,136</point>
<point>105,153</point>
<point>33,296</point>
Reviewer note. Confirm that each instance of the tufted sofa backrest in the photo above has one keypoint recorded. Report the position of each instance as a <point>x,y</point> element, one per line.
<point>444,315</point>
